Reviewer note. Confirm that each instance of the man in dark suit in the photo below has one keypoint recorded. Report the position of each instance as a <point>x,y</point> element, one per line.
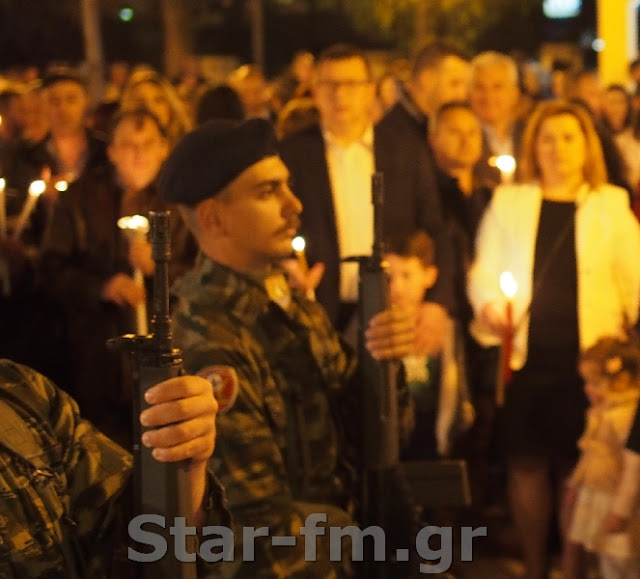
<point>331,167</point>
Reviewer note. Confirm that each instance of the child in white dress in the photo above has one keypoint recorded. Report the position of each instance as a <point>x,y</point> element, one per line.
<point>601,499</point>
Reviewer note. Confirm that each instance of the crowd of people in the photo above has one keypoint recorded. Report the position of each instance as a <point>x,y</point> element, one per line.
<point>486,172</point>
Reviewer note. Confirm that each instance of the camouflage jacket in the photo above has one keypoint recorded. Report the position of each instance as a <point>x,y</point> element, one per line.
<point>288,376</point>
<point>67,518</point>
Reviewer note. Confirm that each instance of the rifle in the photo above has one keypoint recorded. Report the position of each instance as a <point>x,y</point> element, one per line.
<point>159,488</point>
<point>379,395</point>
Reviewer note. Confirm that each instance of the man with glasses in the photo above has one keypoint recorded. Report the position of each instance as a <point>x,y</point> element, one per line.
<point>331,166</point>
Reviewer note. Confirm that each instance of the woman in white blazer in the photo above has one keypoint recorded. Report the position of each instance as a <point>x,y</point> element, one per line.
<point>573,247</point>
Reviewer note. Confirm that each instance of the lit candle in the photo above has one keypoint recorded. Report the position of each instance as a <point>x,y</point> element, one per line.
<point>507,166</point>
<point>36,189</point>
<point>136,227</point>
<point>298,243</point>
<point>61,185</point>
<point>3,211</point>
<point>509,287</point>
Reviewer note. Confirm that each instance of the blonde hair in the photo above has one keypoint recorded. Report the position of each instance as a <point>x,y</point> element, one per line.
<point>180,123</point>
<point>595,171</point>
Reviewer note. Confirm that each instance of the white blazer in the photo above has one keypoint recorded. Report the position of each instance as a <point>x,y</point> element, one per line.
<point>607,253</point>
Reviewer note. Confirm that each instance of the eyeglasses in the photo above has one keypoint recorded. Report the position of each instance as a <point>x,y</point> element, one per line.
<point>333,85</point>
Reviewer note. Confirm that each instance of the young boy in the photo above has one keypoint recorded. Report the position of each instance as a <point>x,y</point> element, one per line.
<point>437,384</point>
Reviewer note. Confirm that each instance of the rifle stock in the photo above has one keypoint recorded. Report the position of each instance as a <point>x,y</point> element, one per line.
<point>159,488</point>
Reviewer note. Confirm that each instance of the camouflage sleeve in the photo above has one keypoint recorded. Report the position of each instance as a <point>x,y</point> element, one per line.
<point>96,468</point>
<point>250,464</point>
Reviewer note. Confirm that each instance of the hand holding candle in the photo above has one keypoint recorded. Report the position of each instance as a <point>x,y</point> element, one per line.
<point>137,227</point>
<point>509,287</point>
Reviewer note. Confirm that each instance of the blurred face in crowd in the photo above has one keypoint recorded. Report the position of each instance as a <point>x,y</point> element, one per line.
<point>588,89</point>
<point>66,105</point>
<point>409,279</point>
<point>494,94</point>
<point>36,123</point>
<point>560,149</point>
<point>344,95</point>
<point>150,96</point>
<point>137,151</point>
<point>14,115</point>
<point>615,108</point>
<point>252,89</point>
<point>447,82</point>
<point>256,216</point>
<point>457,139</point>
<point>302,67</point>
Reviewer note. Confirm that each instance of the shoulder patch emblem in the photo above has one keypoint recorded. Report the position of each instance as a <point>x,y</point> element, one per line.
<point>225,385</point>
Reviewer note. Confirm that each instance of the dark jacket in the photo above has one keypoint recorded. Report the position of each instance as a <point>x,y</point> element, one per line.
<point>411,201</point>
<point>82,249</point>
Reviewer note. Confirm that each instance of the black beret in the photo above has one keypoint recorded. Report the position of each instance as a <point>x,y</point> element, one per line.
<point>208,158</point>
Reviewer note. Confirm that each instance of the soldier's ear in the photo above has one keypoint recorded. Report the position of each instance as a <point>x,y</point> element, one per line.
<point>208,215</point>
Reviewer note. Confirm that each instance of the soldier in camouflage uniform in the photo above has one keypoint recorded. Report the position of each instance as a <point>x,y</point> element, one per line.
<point>63,485</point>
<point>281,375</point>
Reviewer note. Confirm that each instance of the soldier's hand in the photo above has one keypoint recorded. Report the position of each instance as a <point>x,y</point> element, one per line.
<point>308,280</point>
<point>391,334</point>
<point>140,256</point>
<point>182,426</point>
<point>182,419</point>
<point>432,323</point>
<point>122,289</point>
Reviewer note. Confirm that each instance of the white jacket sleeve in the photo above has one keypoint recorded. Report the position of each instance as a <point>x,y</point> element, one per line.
<point>483,280</point>
<point>626,253</point>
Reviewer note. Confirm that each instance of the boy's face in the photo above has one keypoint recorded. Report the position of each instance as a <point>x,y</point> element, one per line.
<point>409,280</point>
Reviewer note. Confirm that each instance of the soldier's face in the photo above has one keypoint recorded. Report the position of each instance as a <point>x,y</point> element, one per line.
<point>258,215</point>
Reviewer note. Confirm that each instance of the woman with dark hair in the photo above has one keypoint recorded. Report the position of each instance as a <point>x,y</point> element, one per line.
<point>218,102</point>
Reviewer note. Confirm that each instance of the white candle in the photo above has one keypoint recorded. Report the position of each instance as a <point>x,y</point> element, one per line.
<point>36,189</point>
<point>137,226</point>
<point>3,212</point>
<point>298,243</point>
<point>141,309</point>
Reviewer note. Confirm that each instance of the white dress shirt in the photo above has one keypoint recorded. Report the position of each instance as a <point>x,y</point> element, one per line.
<point>350,170</point>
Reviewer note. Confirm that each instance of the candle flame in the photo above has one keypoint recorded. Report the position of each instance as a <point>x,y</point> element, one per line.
<point>506,163</point>
<point>37,188</point>
<point>298,243</point>
<point>508,284</point>
<point>61,186</point>
<point>134,222</point>
<point>2,184</point>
